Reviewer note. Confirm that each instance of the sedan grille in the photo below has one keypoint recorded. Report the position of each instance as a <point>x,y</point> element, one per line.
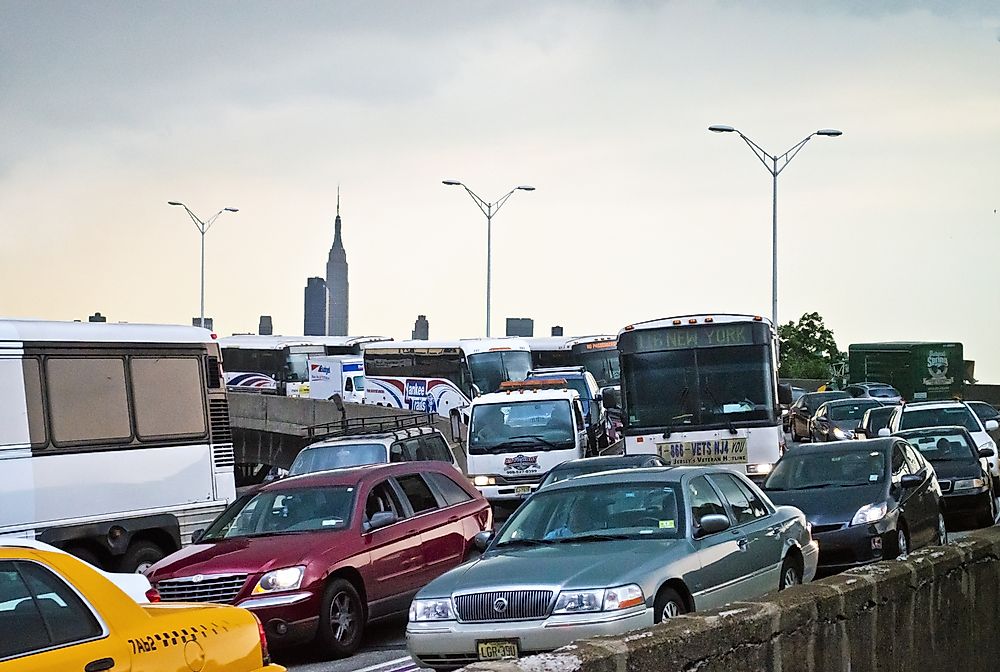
<point>219,588</point>
<point>503,605</point>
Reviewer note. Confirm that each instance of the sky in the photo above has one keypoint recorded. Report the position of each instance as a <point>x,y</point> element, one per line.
<point>111,109</point>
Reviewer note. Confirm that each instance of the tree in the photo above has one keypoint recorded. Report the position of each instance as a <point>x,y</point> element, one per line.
<point>807,349</point>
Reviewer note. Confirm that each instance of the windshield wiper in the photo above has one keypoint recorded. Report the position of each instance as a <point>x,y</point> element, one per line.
<point>817,486</point>
<point>725,416</point>
<point>592,537</point>
<point>524,542</point>
<point>537,437</point>
<point>683,403</point>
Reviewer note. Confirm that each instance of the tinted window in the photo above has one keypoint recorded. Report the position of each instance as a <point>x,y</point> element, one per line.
<point>20,620</point>
<point>884,392</point>
<point>452,492</point>
<point>382,498</point>
<point>746,506</point>
<point>321,458</point>
<point>912,460</point>
<point>433,447</point>
<point>959,416</point>
<point>420,495</point>
<point>404,451</point>
<point>272,512</point>
<point>899,466</point>
<point>87,400</point>
<point>169,396</point>
<point>839,412</point>
<point>704,500</point>
<point>33,400</point>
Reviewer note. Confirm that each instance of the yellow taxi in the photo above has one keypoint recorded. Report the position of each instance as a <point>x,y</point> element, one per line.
<point>57,613</point>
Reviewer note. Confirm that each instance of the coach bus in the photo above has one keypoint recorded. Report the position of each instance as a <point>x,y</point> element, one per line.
<point>115,442</point>
<point>597,354</point>
<point>438,376</point>
<point>703,389</point>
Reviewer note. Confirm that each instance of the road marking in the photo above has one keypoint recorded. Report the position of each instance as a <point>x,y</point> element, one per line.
<point>408,664</point>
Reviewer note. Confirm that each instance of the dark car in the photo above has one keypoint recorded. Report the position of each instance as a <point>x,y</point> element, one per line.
<point>838,420</point>
<point>873,420</point>
<point>319,556</point>
<point>592,465</point>
<point>984,411</point>
<point>803,409</point>
<point>865,500</point>
<point>969,500</point>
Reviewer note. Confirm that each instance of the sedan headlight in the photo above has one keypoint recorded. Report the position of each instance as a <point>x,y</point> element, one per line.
<point>611,599</point>
<point>432,610</point>
<point>969,484</point>
<point>482,481</point>
<point>289,578</point>
<point>870,513</point>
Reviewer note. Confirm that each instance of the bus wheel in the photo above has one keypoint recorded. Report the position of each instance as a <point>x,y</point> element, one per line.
<point>140,556</point>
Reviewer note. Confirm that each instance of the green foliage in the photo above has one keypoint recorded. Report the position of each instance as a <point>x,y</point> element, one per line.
<point>807,349</point>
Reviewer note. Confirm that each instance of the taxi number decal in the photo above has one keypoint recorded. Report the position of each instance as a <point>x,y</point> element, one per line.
<point>143,645</point>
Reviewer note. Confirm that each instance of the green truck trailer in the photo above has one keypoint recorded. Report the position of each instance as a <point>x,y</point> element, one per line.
<point>920,371</point>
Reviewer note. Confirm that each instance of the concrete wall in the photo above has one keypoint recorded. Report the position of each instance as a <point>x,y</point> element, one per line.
<point>937,610</point>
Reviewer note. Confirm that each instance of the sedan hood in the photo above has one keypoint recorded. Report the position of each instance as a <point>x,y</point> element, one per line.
<point>829,506</point>
<point>244,555</point>
<point>567,565</point>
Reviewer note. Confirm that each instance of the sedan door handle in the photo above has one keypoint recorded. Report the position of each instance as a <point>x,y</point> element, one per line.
<point>99,665</point>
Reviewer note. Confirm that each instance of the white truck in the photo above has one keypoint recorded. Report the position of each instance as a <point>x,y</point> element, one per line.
<point>517,434</point>
<point>339,374</point>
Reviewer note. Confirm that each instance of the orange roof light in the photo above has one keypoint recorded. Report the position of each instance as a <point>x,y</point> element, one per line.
<point>629,328</point>
<point>495,349</point>
<point>757,318</point>
<point>710,319</point>
<point>533,384</point>
<point>677,322</point>
<point>692,321</point>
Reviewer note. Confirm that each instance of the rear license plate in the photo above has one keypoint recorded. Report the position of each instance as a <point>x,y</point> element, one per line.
<point>522,490</point>
<point>496,649</point>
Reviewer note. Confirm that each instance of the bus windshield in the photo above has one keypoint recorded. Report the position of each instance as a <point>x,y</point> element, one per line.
<point>489,369</point>
<point>521,426</point>
<point>603,364</point>
<point>702,386</point>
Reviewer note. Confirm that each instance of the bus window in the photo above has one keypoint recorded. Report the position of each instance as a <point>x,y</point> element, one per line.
<point>88,400</point>
<point>163,389</point>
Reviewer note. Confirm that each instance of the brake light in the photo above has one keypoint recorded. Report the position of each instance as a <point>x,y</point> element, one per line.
<point>153,595</point>
<point>264,654</point>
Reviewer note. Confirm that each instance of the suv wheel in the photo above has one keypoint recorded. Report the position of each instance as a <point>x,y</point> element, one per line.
<point>341,619</point>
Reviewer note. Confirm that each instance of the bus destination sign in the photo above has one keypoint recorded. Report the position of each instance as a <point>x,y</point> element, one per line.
<point>701,336</point>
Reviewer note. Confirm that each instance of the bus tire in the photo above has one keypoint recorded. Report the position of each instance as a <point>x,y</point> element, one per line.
<point>140,556</point>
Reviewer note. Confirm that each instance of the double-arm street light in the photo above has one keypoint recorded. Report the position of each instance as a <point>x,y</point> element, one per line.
<point>489,209</point>
<point>775,163</point>
<point>202,227</point>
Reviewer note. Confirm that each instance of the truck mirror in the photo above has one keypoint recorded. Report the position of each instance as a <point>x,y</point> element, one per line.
<point>456,424</point>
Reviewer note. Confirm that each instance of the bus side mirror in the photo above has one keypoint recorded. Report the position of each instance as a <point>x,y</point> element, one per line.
<point>784,394</point>
<point>611,397</point>
<point>455,416</point>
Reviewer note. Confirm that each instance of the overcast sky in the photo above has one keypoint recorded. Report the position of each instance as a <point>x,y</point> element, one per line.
<point>108,110</point>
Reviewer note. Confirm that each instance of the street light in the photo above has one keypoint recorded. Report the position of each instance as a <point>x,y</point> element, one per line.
<point>489,209</point>
<point>202,227</point>
<point>775,169</point>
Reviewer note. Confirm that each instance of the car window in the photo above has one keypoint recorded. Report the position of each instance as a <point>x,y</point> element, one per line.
<point>959,416</point>
<point>746,506</point>
<point>381,498</point>
<point>899,466</point>
<point>913,461</point>
<point>433,447</point>
<point>38,610</point>
<point>349,385</point>
<point>418,492</point>
<point>452,492</point>
<point>704,500</point>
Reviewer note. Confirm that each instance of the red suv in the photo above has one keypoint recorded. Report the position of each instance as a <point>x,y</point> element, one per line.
<point>317,557</point>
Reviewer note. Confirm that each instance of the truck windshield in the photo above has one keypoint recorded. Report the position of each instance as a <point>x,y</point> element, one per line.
<point>603,364</point>
<point>298,367</point>
<point>321,458</point>
<point>704,386</point>
<point>521,426</point>
<point>489,369</point>
<point>275,512</point>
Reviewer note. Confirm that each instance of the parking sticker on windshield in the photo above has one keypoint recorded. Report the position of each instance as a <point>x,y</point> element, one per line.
<point>873,478</point>
<point>666,524</point>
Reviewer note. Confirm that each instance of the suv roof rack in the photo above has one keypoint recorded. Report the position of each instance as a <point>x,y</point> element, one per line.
<point>364,426</point>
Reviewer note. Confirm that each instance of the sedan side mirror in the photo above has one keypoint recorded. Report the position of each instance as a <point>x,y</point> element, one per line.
<point>382,519</point>
<point>712,524</point>
<point>197,535</point>
<point>992,425</point>
<point>911,480</point>
<point>884,432</point>
<point>482,540</point>
<point>986,452</point>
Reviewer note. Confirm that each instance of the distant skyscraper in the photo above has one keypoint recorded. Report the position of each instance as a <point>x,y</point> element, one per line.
<point>557,331</point>
<point>336,282</point>
<point>315,309</point>
<point>97,317</point>
<point>421,329</point>
<point>520,326</point>
<point>265,328</point>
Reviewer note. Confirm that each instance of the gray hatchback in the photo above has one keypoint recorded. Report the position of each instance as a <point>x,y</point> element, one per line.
<point>606,553</point>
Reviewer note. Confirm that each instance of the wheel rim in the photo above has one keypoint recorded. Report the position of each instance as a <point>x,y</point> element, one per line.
<point>791,577</point>
<point>942,530</point>
<point>902,542</point>
<point>343,617</point>
<point>670,610</point>
<point>142,567</point>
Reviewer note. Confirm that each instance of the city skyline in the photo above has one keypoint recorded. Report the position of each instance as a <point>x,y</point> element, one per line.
<point>888,232</point>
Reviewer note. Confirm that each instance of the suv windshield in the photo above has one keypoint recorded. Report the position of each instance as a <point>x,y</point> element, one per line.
<point>521,425</point>
<point>489,369</point>
<point>804,469</point>
<point>958,416</point>
<point>627,510</point>
<point>293,511</point>
<point>321,458</point>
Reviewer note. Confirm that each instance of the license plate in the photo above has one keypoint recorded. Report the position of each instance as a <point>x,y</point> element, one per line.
<point>522,490</point>
<point>496,649</point>
<point>716,451</point>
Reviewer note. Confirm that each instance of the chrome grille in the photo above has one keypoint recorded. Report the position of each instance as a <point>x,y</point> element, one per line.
<point>218,412</point>
<point>519,605</point>
<point>219,588</point>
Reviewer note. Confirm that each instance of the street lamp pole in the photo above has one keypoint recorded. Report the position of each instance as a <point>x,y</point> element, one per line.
<point>774,163</point>
<point>489,209</point>
<point>203,227</point>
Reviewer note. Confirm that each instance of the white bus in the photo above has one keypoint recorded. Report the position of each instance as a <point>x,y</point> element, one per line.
<point>703,389</point>
<point>115,442</point>
<point>279,364</point>
<point>438,376</point>
<point>598,354</point>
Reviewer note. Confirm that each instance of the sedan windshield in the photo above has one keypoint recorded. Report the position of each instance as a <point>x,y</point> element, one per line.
<point>276,512</point>
<point>942,445</point>
<point>489,369</point>
<point>321,458</point>
<point>957,416</point>
<point>805,469</point>
<point>597,512</point>
<point>841,412</point>
<point>520,426</point>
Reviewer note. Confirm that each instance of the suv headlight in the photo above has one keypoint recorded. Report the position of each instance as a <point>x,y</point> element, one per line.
<point>969,484</point>
<point>610,599</point>
<point>289,578</point>
<point>870,513</point>
<point>432,610</point>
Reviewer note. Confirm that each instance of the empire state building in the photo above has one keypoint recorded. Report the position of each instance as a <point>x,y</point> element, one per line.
<point>336,282</point>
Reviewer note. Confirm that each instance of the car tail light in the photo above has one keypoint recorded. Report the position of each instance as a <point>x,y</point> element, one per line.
<point>264,654</point>
<point>153,595</point>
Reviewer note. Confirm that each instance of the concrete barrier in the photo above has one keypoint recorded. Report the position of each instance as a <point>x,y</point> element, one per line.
<point>939,609</point>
